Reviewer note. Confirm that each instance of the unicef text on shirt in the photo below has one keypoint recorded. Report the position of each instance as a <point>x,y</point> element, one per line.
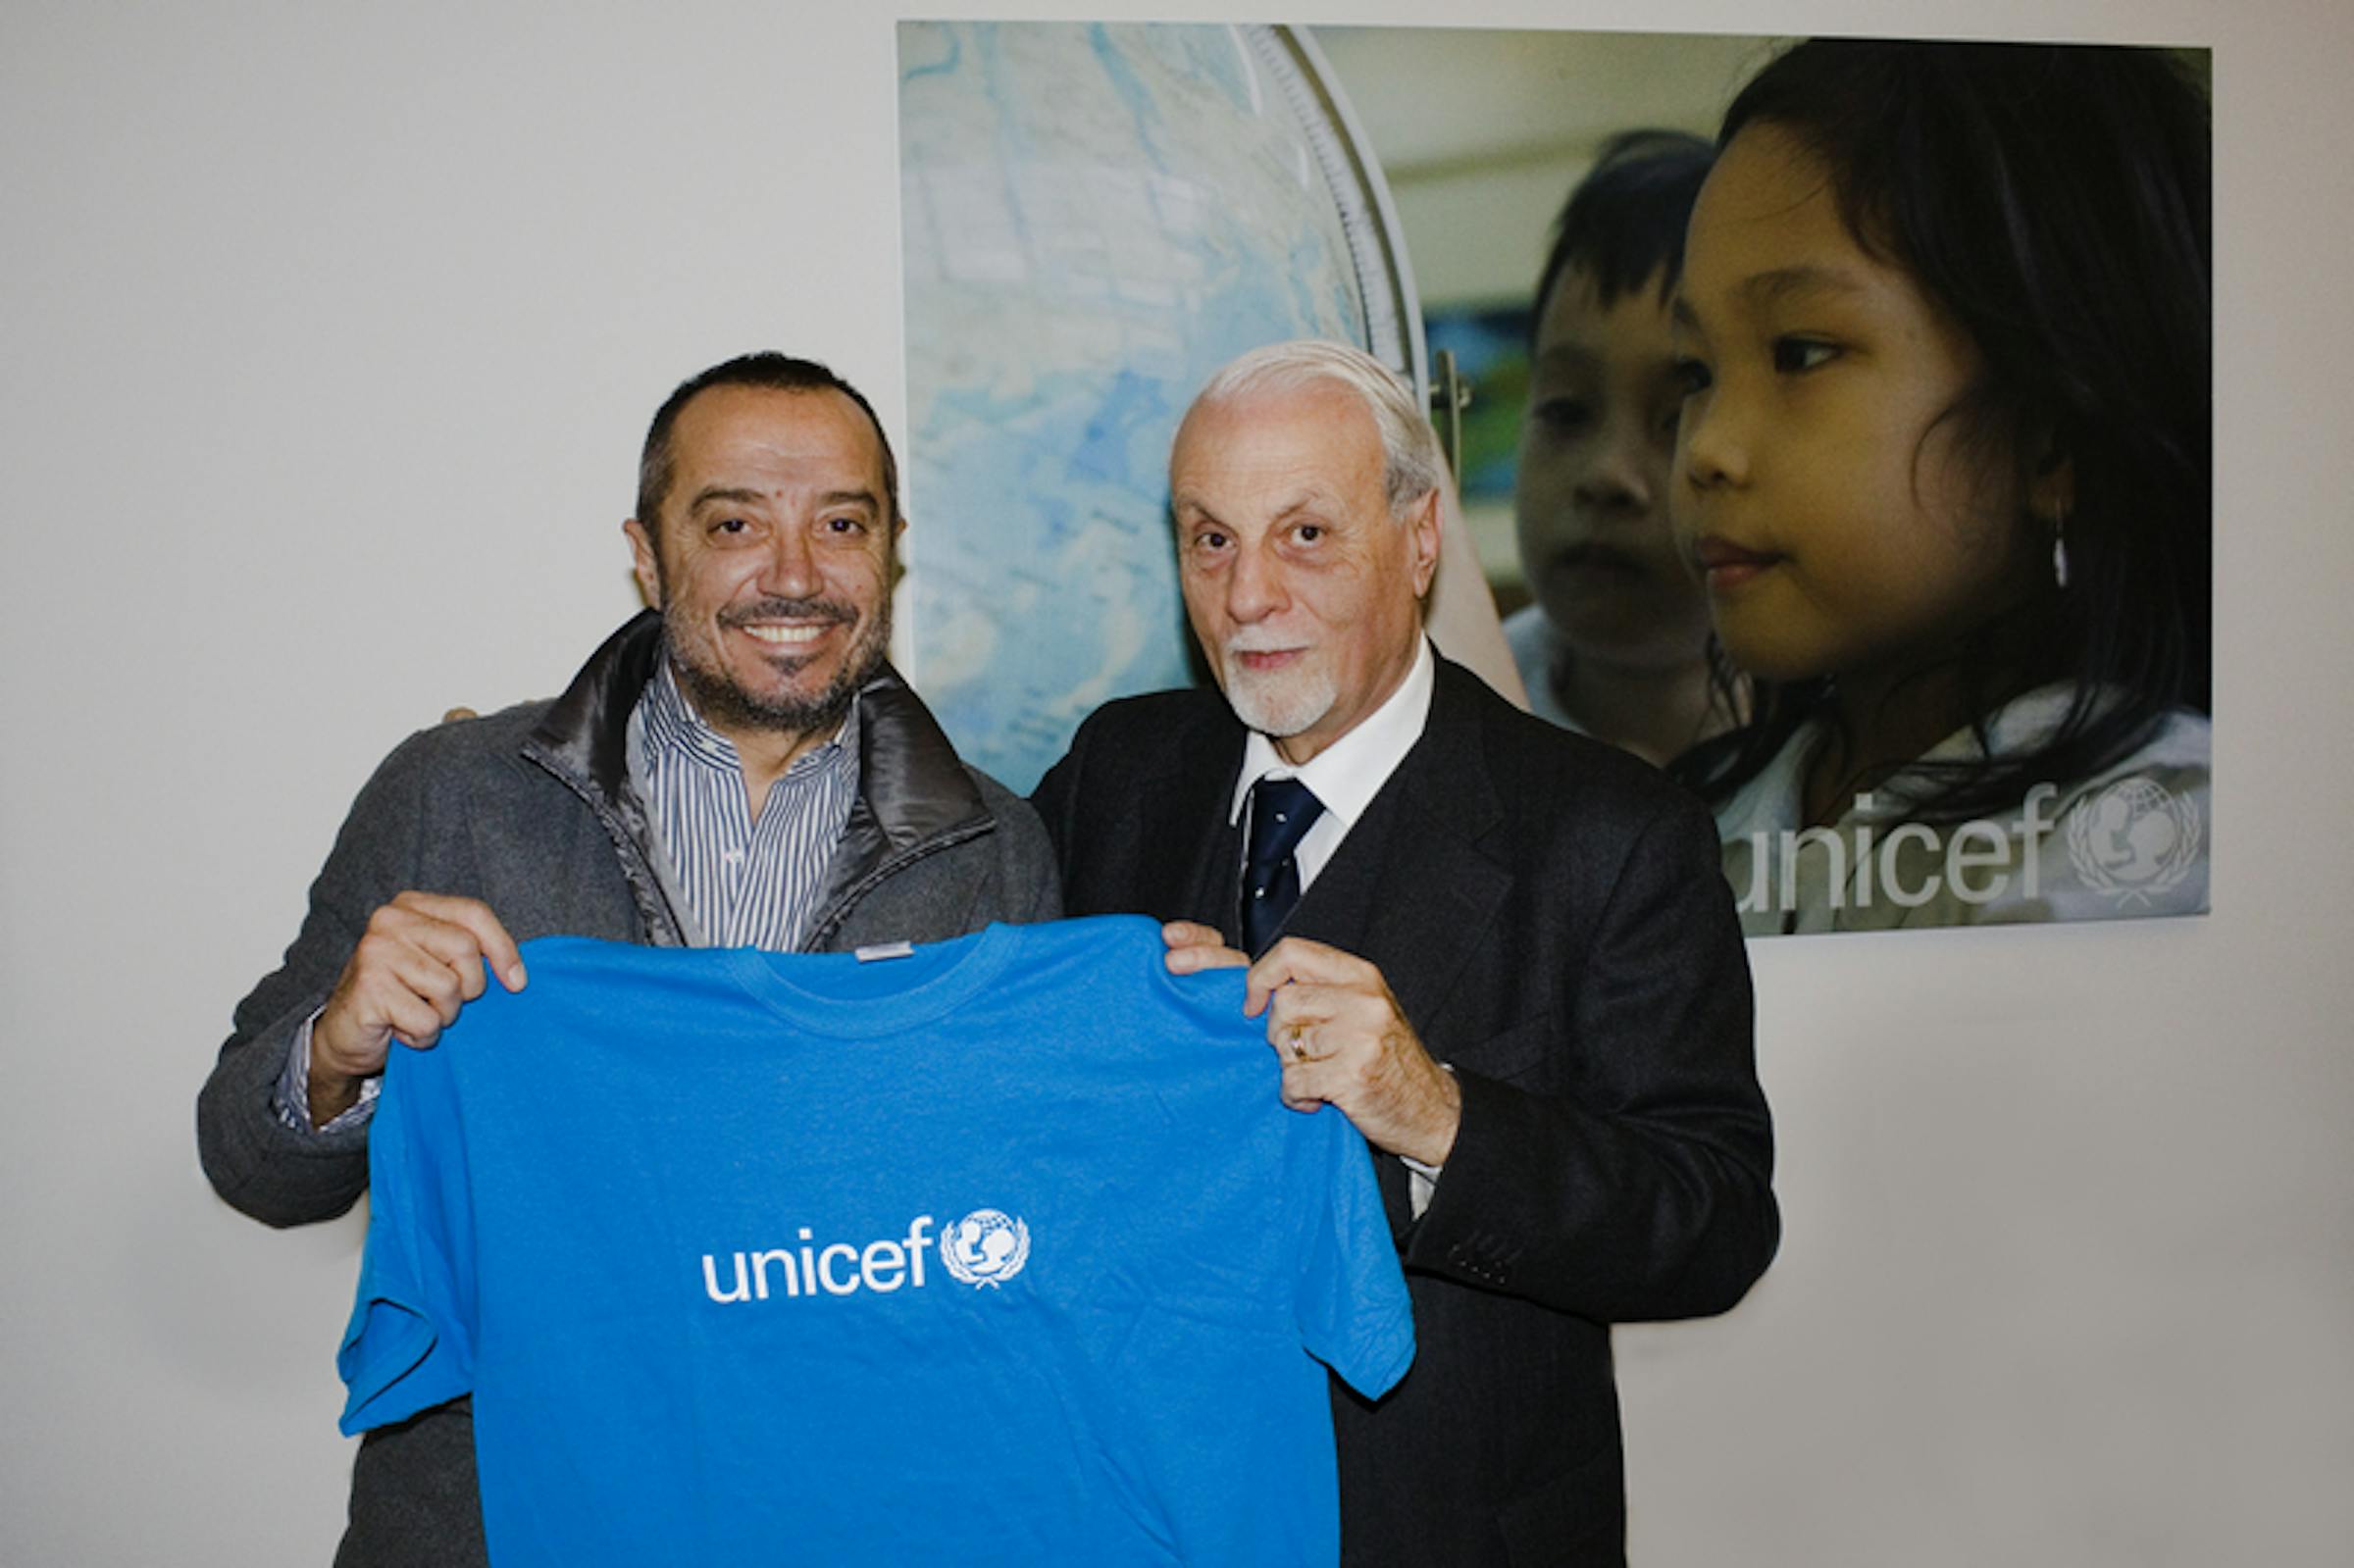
<point>2133,840</point>
<point>984,1249</point>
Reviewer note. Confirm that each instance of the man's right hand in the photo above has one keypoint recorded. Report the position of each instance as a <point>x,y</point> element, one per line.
<point>420,960</point>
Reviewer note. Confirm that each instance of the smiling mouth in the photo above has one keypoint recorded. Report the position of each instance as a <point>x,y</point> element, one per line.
<point>786,636</point>
<point>788,625</point>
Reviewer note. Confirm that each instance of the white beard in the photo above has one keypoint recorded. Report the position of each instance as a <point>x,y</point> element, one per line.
<point>1281,703</point>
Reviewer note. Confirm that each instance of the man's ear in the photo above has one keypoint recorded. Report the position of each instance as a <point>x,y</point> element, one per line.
<point>898,562</point>
<point>645,565</point>
<point>1422,524</point>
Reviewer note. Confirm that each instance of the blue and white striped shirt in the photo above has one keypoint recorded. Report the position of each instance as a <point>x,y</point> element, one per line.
<point>742,882</point>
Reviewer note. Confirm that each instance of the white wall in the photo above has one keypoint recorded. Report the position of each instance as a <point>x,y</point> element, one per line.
<point>329,334</point>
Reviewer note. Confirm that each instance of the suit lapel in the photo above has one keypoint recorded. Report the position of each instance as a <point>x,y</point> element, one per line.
<point>1191,854</point>
<point>1416,887</point>
<point>1416,884</point>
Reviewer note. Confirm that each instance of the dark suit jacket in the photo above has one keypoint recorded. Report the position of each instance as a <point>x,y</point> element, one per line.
<point>1551,917</point>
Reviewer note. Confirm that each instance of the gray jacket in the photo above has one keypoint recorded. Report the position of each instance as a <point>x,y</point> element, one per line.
<point>530,811</point>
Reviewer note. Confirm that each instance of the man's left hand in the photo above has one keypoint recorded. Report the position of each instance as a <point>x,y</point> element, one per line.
<point>1341,1040</point>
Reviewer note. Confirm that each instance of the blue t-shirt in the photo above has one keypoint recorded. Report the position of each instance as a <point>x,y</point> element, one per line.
<point>1004,1252</point>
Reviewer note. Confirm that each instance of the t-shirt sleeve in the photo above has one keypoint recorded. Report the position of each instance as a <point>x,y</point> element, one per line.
<point>410,1342</point>
<point>1351,1299</point>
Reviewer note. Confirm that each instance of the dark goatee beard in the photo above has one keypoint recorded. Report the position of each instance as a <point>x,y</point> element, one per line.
<point>727,705</point>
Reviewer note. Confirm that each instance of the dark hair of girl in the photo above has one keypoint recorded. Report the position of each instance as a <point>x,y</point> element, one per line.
<point>1624,226</point>
<point>2054,201</point>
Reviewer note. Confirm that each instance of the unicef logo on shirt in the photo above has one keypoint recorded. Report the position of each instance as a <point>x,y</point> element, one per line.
<point>988,1246</point>
<point>2135,840</point>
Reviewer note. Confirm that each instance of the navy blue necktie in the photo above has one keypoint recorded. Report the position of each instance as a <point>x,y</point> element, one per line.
<point>1282,810</point>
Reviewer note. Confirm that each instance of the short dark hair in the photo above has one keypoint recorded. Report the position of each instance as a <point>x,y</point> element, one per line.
<point>2053,200</point>
<point>781,372</point>
<point>1623,224</point>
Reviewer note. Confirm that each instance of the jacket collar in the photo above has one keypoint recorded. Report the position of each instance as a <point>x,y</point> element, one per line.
<point>909,778</point>
<point>584,732</point>
<point>1423,872</point>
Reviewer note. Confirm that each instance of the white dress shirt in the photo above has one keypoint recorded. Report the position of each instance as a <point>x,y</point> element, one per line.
<point>1347,774</point>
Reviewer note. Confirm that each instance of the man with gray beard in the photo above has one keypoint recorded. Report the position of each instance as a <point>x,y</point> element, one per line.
<point>738,766</point>
<point>1503,950</point>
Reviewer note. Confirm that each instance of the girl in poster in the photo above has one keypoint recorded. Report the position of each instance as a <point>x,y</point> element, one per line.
<point>1944,467</point>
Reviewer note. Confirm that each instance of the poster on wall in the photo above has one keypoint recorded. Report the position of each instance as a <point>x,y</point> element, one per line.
<point>1865,491</point>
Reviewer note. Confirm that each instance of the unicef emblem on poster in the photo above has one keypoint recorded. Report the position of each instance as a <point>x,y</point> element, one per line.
<point>2135,841</point>
<point>988,1246</point>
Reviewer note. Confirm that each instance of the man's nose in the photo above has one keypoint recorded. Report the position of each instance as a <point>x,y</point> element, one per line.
<point>788,569</point>
<point>1254,589</point>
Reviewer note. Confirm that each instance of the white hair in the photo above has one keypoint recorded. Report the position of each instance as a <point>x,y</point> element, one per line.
<point>1412,465</point>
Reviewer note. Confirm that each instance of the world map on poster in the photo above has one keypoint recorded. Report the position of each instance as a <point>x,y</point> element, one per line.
<point>1095,218</point>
